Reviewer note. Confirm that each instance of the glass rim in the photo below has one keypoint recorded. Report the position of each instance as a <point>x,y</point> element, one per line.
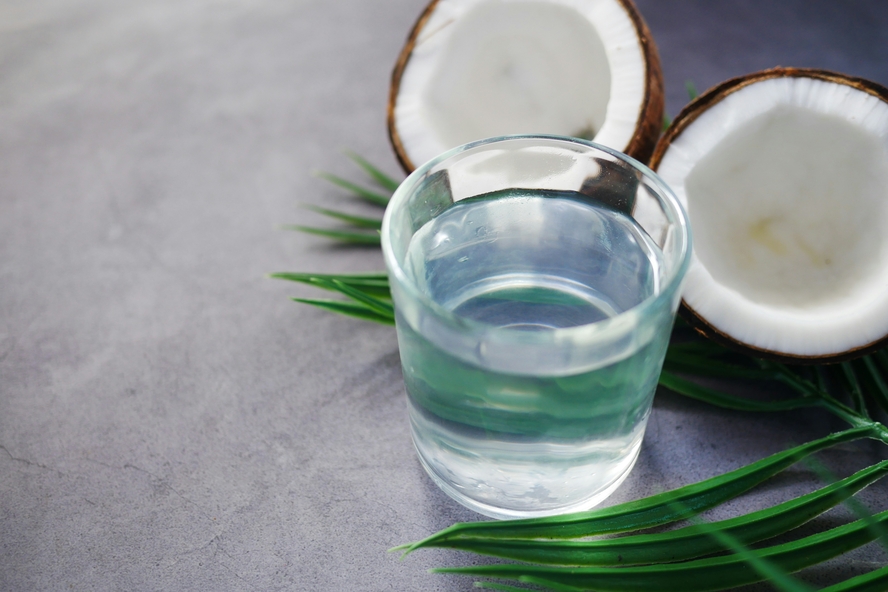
<point>617,323</point>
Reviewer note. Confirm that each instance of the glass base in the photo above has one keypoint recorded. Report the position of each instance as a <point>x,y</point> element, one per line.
<point>503,512</point>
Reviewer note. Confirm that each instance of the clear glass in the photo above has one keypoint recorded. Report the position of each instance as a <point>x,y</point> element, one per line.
<point>535,282</point>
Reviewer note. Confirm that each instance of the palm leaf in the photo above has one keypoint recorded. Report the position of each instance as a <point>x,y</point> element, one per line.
<point>880,392</point>
<point>699,575</point>
<point>372,284</point>
<point>699,366</point>
<point>359,221</point>
<point>361,238</point>
<point>380,306</point>
<point>763,567</point>
<point>719,399</point>
<point>678,545</point>
<point>351,309</point>
<point>384,180</point>
<point>366,194</point>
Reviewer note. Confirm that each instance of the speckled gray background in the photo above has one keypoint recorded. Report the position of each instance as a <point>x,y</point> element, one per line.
<point>169,420</point>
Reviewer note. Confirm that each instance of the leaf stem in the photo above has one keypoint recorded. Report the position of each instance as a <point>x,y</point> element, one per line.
<point>880,394</point>
<point>827,401</point>
<point>855,390</point>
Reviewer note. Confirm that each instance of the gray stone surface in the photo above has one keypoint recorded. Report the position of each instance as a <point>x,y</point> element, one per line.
<point>169,420</point>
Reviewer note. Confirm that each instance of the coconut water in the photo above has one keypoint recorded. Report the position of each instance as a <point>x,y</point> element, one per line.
<point>514,443</point>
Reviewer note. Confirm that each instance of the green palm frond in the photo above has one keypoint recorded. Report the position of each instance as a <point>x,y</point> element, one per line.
<point>345,236</point>
<point>368,195</point>
<point>678,545</point>
<point>356,226</point>
<point>373,284</point>
<point>351,219</point>
<point>698,575</point>
<point>368,293</point>
<point>351,309</point>
<point>381,178</point>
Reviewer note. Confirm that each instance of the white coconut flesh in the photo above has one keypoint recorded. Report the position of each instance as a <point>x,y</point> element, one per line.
<point>484,68</point>
<point>786,186</point>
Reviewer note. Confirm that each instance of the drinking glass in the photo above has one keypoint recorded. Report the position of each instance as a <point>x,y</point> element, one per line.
<point>535,281</point>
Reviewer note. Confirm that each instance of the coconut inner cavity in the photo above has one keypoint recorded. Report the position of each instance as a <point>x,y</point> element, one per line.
<point>518,67</point>
<point>765,216</point>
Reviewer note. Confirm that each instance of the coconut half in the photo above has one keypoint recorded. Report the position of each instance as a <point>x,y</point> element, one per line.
<point>474,69</point>
<point>784,174</point>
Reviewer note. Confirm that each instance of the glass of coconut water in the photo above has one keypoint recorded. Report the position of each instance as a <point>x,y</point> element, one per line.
<point>535,282</point>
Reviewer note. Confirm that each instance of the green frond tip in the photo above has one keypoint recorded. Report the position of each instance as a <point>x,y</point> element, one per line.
<point>374,284</point>
<point>854,390</point>
<point>345,236</point>
<point>369,292</point>
<point>359,221</point>
<point>380,306</point>
<point>352,309</point>
<point>366,194</point>
<point>381,178</point>
<point>719,399</point>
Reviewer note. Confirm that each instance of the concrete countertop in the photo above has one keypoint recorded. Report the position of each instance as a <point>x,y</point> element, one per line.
<point>169,420</point>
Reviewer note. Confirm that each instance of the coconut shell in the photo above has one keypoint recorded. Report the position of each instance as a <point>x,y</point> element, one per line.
<point>685,118</point>
<point>650,119</point>
<point>395,87</point>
